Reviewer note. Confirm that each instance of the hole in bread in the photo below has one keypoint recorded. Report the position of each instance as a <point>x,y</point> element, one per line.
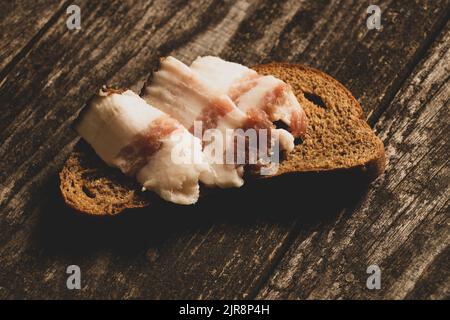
<point>281,125</point>
<point>88,192</point>
<point>298,141</point>
<point>314,98</point>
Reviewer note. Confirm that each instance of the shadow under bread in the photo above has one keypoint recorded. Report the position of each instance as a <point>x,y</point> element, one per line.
<point>302,199</point>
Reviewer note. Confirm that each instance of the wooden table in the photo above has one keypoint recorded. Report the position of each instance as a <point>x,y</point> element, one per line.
<point>399,73</point>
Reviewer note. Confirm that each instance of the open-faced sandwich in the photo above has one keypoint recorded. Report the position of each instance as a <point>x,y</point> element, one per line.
<point>210,125</point>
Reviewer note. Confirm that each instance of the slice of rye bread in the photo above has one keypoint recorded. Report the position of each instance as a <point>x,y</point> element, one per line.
<point>338,140</point>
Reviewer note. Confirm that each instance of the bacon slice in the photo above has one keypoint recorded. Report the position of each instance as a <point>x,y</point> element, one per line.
<point>179,92</point>
<point>186,96</point>
<point>143,142</point>
<point>249,90</point>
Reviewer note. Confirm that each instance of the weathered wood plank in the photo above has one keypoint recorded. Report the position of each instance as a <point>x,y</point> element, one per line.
<point>22,23</point>
<point>431,284</point>
<point>167,253</point>
<point>402,225</point>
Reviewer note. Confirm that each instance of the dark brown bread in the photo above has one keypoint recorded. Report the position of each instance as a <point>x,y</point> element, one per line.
<point>338,140</point>
<point>90,186</point>
<point>338,136</point>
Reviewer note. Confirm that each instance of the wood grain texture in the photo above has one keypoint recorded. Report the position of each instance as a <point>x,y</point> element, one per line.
<point>402,224</point>
<point>23,23</point>
<point>228,252</point>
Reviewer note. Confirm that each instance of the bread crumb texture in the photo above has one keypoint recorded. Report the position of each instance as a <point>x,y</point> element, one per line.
<point>88,185</point>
